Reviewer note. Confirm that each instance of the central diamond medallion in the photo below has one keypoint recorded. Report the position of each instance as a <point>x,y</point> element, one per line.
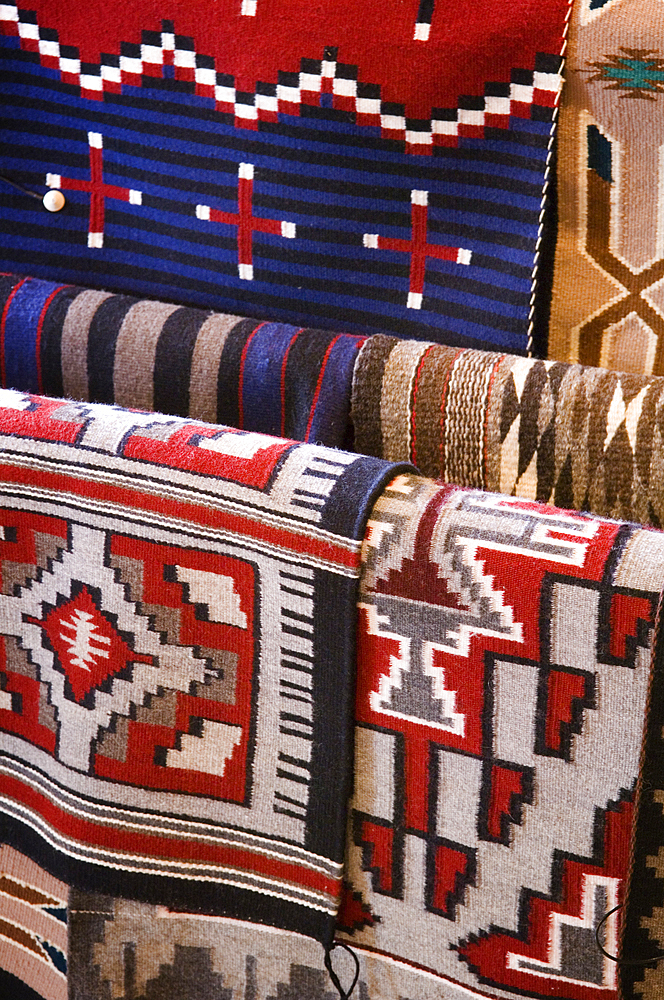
<point>86,643</point>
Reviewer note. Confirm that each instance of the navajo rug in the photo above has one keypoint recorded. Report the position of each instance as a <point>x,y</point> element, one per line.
<point>177,638</point>
<point>375,166</point>
<point>504,666</point>
<point>608,292</point>
<point>89,345</point>
<point>503,673</point>
<point>579,437</point>
<point>33,930</point>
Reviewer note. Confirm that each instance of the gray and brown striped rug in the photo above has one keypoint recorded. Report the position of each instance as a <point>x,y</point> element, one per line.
<point>578,437</point>
<point>93,346</point>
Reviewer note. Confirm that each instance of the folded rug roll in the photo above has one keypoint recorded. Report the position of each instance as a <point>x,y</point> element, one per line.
<point>90,345</point>
<point>177,632</point>
<point>582,438</point>
<point>502,807</point>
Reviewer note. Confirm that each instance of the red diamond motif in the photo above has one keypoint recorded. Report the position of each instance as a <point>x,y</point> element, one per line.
<point>87,645</point>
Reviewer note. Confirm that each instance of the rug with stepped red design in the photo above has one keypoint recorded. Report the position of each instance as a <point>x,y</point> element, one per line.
<point>501,809</point>
<point>177,622</point>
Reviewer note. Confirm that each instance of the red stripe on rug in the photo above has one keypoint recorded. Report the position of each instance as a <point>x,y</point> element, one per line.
<point>319,385</point>
<point>42,317</point>
<point>240,384</point>
<point>3,323</point>
<point>170,848</point>
<point>283,380</point>
<point>293,540</point>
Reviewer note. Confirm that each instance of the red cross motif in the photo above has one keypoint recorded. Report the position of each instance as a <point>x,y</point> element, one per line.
<point>97,189</point>
<point>418,247</point>
<point>245,220</point>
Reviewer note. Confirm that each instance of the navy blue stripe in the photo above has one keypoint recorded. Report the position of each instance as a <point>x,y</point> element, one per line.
<point>259,300</point>
<point>228,408</point>
<point>333,404</point>
<point>51,341</point>
<point>302,370</point>
<point>20,335</point>
<point>274,266</point>
<point>515,146</point>
<point>172,366</point>
<point>483,196</point>
<point>261,383</point>
<point>102,338</point>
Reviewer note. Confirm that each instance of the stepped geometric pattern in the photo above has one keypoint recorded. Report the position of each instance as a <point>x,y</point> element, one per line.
<point>504,661</point>
<point>299,173</point>
<point>503,671</point>
<point>163,49</point>
<point>175,694</point>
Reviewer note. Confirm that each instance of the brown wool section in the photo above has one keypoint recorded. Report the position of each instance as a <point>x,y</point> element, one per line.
<point>205,363</point>
<point>574,436</point>
<point>133,372</point>
<point>367,392</point>
<point>465,417</point>
<point>427,408</point>
<point>26,892</point>
<point>492,423</point>
<point>21,937</point>
<point>396,402</point>
<point>74,342</point>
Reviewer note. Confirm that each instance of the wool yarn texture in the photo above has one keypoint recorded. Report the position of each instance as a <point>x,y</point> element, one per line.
<point>579,437</point>
<point>177,638</point>
<point>608,299</point>
<point>508,779</point>
<point>33,940</point>
<point>505,653</point>
<point>90,345</point>
<point>366,168</point>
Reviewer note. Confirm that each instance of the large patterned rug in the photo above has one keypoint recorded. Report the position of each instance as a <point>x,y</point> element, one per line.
<point>177,622</point>
<point>90,345</point>
<point>579,437</point>
<point>504,664</point>
<point>504,670</point>
<point>369,166</point>
<point>608,290</point>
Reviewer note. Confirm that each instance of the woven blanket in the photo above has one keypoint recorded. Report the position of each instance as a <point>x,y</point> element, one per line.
<point>369,167</point>
<point>33,930</point>
<point>579,437</point>
<point>608,295</point>
<point>177,637</point>
<point>89,345</point>
<point>503,672</point>
<point>504,667</point>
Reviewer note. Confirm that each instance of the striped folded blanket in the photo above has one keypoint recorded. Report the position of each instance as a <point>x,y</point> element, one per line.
<point>177,639</point>
<point>581,438</point>
<point>90,345</point>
